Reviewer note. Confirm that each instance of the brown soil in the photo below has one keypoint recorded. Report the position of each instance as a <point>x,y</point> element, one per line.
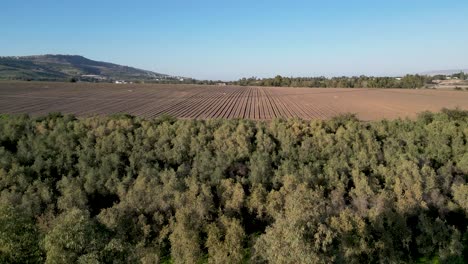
<point>191,101</point>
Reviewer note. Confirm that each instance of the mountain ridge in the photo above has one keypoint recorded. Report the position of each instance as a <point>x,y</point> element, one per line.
<point>66,67</point>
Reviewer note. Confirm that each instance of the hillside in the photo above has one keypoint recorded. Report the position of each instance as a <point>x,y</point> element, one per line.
<point>65,67</point>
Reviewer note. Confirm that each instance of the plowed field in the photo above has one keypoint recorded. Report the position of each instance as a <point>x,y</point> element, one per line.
<point>202,102</point>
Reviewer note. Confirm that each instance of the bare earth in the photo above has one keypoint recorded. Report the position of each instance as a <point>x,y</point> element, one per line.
<point>202,102</point>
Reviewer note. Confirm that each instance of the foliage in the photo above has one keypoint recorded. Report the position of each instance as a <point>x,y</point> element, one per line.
<point>122,189</point>
<point>408,81</point>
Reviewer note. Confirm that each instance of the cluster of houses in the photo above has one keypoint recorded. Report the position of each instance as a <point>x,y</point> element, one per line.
<point>180,79</point>
<point>122,82</point>
<point>92,76</point>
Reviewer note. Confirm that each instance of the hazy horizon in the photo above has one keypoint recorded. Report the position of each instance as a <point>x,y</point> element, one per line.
<point>227,41</point>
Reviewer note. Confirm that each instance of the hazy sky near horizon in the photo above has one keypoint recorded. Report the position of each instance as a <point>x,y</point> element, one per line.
<point>231,39</point>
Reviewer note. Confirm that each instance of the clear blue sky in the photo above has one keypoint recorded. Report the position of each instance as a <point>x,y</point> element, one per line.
<point>231,39</point>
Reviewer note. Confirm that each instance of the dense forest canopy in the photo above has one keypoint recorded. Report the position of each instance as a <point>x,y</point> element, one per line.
<point>127,190</point>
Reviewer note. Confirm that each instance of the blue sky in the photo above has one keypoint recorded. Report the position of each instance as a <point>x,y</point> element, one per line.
<point>232,39</point>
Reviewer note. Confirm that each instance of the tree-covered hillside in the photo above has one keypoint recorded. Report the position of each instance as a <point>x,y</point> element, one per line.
<point>127,190</point>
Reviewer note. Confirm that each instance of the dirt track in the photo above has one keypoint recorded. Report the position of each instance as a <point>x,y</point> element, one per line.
<point>187,101</point>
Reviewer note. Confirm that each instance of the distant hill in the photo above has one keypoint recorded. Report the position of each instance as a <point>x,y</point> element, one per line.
<point>65,67</point>
<point>444,72</point>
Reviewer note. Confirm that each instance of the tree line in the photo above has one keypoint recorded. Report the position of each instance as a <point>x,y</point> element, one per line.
<point>408,82</point>
<point>122,189</point>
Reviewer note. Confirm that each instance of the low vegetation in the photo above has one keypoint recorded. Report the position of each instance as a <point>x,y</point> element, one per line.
<point>122,189</point>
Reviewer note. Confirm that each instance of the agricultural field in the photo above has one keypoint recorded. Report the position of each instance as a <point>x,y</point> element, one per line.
<point>204,102</point>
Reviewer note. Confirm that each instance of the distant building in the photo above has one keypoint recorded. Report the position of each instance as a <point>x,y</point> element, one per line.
<point>221,84</point>
<point>97,77</point>
<point>120,82</point>
<point>398,78</point>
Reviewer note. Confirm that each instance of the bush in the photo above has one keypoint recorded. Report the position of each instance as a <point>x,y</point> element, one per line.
<point>455,114</point>
<point>129,190</point>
